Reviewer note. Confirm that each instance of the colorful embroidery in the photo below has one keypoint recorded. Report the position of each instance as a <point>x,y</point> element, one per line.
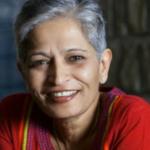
<point>30,135</point>
<point>110,112</point>
<point>43,138</point>
<point>112,99</point>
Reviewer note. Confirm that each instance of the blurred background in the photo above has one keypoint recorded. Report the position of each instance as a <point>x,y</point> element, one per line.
<point>128,35</point>
<point>10,78</point>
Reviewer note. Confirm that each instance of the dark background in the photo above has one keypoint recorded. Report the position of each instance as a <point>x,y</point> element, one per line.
<point>10,78</point>
<point>128,35</point>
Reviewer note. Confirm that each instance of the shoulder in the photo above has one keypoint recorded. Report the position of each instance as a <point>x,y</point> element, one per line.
<point>12,114</point>
<point>120,100</point>
<point>125,108</point>
<point>11,99</point>
<point>133,103</point>
<point>129,122</point>
<point>14,103</point>
<point>130,112</point>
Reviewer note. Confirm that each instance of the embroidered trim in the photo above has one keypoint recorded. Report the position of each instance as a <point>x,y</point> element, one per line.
<point>30,136</point>
<point>111,100</point>
<point>25,138</point>
<point>110,112</point>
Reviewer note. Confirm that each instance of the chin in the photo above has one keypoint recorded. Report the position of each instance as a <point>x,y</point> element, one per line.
<point>62,114</point>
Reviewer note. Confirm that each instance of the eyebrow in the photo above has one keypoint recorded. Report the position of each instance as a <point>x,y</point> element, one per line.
<point>76,49</point>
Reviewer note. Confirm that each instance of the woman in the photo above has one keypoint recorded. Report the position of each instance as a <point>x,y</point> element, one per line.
<point>63,59</point>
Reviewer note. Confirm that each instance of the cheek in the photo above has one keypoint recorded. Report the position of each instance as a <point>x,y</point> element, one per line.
<point>34,80</point>
<point>88,73</point>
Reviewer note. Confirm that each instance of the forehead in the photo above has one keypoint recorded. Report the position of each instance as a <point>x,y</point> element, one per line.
<point>58,36</point>
<point>57,30</point>
<point>64,25</point>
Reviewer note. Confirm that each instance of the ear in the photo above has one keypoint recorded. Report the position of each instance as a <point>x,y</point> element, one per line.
<point>20,68</point>
<point>105,65</point>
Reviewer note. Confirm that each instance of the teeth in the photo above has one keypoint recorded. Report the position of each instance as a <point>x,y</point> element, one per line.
<point>60,94</point>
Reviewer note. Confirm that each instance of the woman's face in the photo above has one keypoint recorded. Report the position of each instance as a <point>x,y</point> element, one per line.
<point>62,71</point>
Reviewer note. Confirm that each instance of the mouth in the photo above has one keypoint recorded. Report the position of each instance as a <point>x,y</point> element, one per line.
<point>63,96</point>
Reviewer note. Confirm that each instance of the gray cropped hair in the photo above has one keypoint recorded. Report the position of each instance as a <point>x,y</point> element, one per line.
<point>87,12</point>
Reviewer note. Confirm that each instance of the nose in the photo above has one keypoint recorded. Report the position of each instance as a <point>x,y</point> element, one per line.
<point>58,73</point>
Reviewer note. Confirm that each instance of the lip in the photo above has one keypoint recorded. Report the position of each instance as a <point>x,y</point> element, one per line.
<point>62,90</point>
<point>62,99</point>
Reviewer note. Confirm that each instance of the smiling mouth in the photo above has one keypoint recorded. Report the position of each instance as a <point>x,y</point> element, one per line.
<point>62,97</point>
<point>63,94</point>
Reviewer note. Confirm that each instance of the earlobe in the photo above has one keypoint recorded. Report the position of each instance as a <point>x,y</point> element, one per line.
<point>105,65</point>
<point>103,80</point>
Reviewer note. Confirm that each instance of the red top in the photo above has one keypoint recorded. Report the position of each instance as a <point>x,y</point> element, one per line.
<point>124,125</point>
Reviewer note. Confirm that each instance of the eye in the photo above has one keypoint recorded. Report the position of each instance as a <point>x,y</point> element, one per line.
<point>39,63</point>
<point>76,58</point>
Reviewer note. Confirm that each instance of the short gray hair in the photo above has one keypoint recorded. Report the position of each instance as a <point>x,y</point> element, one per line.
<point>87,12</point>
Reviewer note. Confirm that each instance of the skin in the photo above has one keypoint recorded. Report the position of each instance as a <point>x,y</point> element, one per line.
<point>60,59</point>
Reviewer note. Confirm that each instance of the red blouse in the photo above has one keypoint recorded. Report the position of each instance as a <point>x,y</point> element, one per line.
<point>124,125</point>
